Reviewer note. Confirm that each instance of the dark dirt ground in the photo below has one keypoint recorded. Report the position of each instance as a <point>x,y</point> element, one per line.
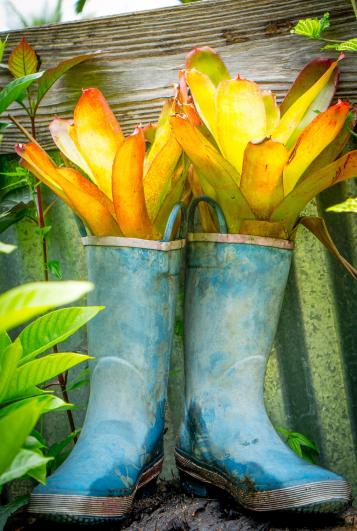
<point>168,509</point>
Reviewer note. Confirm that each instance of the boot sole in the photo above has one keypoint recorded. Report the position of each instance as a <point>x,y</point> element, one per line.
<point>318,497</point>
<point>89,509</point>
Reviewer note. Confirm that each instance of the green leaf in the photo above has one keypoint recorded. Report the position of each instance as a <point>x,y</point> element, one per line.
<point>312,28</point>
<point>79,6</point>
<point>38,371</point>
<point>6,248</point>
<point>16,425</point>
<point>53,328</point>
<point>81,379</point>
<point>29,300</point>
<point>5,341</point>
<point>23,60</point>
<point>33,443</point>
<point>8,509</point>
<point>39,437</point>
<point>54,267</point>
<point>51,75</point>
<point>58,447</point>
<point>350,205</point>
<point>8,362</point>
<point>346,46</point>
<point>13,90</point>
<point>2,47</point>
<point>22,464</point>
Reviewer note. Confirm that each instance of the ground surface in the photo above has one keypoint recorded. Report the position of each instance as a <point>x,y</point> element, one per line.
<point>170,510</point>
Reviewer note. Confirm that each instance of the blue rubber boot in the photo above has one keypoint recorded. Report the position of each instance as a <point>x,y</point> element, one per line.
<point>234,291</point>
<point>120,448</point>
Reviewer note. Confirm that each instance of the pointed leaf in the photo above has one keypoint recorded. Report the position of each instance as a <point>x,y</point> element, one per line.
<point>51,75</point>
<point>53,328</point>
<point>158,179</point>
<point>312,28</point>
<point>272,111</point>
<point>40,370</point>
<point>342,169</point>
<point>313,140</point>
<point>262,181</point>
<point>23,60</point>
<point>240,118</point>
<point>207,61</point>
<point>98,136</point>
<point>295,113</point>
<point>29,300</point>
<point>306,78</point>
<point>215,170</point>
<point>128,189</point>
<point>2,47</point>
<point>162,134</point>
<point>14,90</point>
<point>207,220</point>
<point>204,95</point>
<point>64,136</point>
<point>8,362</point>
<point>17,425</point>
<point>22,464</point>
<point>318,227</point>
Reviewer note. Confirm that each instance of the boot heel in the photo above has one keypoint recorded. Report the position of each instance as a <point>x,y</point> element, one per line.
<point>193,486</point>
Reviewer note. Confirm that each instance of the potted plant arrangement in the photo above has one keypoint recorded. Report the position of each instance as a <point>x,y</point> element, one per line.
<point>255,165</point>
<point>258,165</point>
<point>127,200</point>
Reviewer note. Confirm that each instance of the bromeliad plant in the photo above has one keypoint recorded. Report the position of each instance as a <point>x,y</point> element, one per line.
<point>122,188</point>
<point>263,162</point>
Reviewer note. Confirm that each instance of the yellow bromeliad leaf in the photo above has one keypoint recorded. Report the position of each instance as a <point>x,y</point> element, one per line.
<point>36,160</point>
<point>175,194</point>
<point>315,137</point>
<point>128,190</point>
<point>98,136</point>
<point>158,179</point>
<point>208,62</point>
<point>162,134</point>
<point>262,179</point>
<point>207,219</point>
<point>214,169</point>
<point>64,136</point>
<point>204,96</point>
<point>289,209</point>
<point>86,200</point>
<point>294,114</point>
<point>272,111</point>
<point>240,118</point>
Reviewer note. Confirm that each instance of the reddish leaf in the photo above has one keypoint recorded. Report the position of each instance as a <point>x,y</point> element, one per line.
<point>23,60</point>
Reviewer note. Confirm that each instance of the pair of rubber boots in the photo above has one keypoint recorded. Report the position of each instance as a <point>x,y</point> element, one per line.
<point>234,289</point>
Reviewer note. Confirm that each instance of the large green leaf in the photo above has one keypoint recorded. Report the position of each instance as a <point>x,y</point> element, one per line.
<point>29,300</point>
<point>38,371</point>
<point>24,462</point>
<point>53,328</point>
<point>15,89</point>
<point>8,363</point>
<point>53,403</point>
<point>51,75</point>
<point>17,425</point>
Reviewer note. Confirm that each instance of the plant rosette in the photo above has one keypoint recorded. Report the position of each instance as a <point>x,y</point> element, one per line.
<point>263,162</point>
<point>117,186</point>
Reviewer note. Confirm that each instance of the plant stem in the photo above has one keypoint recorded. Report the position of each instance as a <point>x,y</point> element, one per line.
<point>41,219</point>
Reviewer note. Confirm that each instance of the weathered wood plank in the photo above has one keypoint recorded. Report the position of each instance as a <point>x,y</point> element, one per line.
<point>143,52</point>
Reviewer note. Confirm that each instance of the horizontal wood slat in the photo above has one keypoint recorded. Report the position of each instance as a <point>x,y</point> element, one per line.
<point>143,51</point>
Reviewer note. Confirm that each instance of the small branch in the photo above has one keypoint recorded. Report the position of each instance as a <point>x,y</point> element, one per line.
<point>22,129</point>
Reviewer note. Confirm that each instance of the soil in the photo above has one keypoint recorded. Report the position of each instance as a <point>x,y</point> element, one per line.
<point>169,509</point>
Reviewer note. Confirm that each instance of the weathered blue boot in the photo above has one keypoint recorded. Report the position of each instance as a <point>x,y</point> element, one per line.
<point>234,291</point>
<point>120,448</point>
